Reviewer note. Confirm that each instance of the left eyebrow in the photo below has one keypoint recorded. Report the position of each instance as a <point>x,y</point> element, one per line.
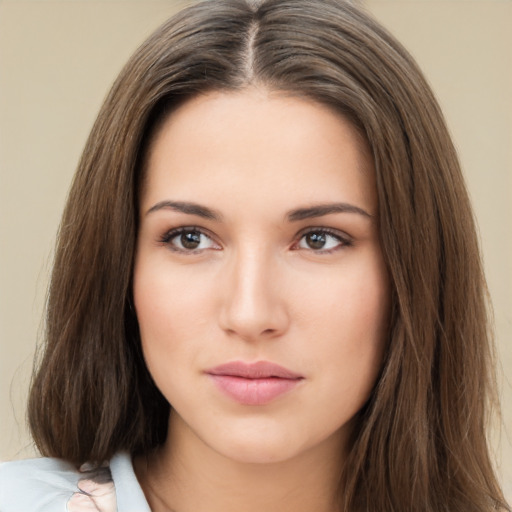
<point>325,209</point>
<point>188,208</point>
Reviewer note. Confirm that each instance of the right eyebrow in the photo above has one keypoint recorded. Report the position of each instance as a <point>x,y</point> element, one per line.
<point>186,207</point>
<point>326,209</point>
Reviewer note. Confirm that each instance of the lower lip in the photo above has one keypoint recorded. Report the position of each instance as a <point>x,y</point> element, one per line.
<point>254,391</point>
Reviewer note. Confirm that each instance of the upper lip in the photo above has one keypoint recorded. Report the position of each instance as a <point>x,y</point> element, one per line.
<point>257,370</point>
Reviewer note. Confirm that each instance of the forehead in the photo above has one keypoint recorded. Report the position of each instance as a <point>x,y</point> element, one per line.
<point>257,143</point>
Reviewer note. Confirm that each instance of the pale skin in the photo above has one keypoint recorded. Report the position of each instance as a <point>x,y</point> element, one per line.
<point>258,241</point>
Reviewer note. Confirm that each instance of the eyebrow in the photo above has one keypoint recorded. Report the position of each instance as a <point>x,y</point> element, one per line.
<point>188,208</point>
<point>325,209</point>
<point>293,216</point>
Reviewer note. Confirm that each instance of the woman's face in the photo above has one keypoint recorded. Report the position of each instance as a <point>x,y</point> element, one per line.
<point>259,284</point>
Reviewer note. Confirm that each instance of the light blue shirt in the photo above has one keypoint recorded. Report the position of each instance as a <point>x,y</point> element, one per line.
<point>52,485</point>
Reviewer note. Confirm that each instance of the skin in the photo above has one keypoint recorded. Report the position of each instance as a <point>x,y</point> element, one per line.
<point>257,287</point>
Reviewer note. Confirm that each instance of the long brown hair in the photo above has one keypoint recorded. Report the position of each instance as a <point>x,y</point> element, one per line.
<point>421,440</point>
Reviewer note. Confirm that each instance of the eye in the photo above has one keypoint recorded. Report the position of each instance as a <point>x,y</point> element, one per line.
<point>188,240</point>
<point>322,240</point>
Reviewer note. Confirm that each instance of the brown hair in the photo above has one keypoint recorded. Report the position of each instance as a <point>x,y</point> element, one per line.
<point>421,442</point>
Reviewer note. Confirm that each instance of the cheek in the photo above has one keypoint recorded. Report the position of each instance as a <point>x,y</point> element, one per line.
<point>352,302</point>
<point>364,313</point>
<point>171,313</point>
<point>166,300</point>
<point>169,328</point>
<point>349,324</point>
<point>370,329</point>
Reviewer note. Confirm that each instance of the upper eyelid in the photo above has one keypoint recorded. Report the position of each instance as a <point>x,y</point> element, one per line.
<point>341,235</point>
<point>176,231</point>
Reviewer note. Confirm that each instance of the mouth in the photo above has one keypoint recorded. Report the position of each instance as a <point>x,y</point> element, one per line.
<point>254,383</point>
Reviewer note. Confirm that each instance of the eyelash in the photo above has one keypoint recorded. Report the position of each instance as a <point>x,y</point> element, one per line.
<point>343,239</point>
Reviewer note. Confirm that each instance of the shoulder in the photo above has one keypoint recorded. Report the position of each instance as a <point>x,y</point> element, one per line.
<point>47,485</point>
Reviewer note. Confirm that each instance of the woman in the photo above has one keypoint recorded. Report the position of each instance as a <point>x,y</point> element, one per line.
<point>267,291</point>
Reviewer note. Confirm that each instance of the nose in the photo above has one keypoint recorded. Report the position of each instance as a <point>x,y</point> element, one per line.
<point>254,300</point>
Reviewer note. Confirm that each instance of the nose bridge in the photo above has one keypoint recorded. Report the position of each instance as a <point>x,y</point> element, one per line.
<point>254,305</point>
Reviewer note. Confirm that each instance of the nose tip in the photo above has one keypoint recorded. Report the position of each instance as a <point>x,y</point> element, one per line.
<point>254,306</point>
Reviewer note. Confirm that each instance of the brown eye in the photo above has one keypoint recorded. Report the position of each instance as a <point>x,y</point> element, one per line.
<point>190,239</point>
<point>315,240</point>
<point>322,241</point>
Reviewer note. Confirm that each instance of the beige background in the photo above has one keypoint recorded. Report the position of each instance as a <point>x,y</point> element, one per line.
<point>57,61</point>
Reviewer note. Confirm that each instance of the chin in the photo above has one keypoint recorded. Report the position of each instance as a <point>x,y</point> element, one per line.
<point>263,445</point>
<point>259,452</point>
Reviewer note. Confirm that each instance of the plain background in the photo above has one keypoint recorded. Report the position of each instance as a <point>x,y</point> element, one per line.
<point>57,61</point>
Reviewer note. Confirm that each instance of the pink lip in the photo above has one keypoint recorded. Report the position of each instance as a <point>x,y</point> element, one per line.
<point>254,383</point>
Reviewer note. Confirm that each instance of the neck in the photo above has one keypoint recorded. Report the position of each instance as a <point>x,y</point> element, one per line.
<point>186,475</point>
